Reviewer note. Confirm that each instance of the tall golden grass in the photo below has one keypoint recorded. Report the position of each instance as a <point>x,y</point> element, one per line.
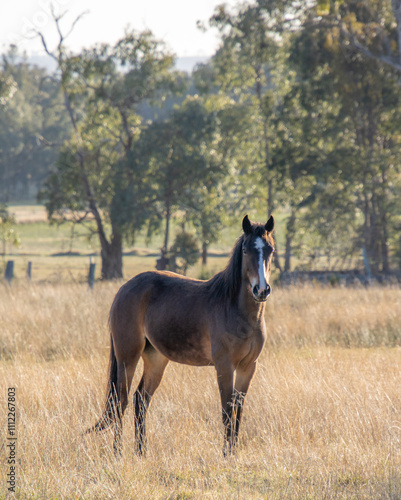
<point>322,418</point>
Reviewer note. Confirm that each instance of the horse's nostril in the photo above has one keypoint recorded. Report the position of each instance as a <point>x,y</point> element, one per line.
<point>261,294</point>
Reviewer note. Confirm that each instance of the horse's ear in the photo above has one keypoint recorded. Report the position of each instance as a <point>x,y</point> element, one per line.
<point>269,226</point>
<point>246,225</point>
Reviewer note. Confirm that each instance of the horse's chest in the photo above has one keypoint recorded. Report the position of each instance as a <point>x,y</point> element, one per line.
<point>247,328</point>
<point>253,342</point>
<point>242,340</point>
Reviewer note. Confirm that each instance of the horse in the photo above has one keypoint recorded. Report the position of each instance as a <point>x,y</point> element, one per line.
<point>162,316</point>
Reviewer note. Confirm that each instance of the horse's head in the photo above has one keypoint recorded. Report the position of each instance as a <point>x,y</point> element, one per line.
<point>257,252</point>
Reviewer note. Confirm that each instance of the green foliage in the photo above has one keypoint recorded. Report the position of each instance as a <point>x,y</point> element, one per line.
<point>8,234</point>
<point>8,87</point>
<point>180,159</point>
<point>30,122</point>
<point>184,252</point>
<point>354,102</point>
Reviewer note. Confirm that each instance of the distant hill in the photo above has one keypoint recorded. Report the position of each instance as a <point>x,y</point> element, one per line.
<point>186,64</point>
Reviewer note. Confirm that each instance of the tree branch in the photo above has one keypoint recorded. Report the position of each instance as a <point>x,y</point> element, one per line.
<point>389,60</point>
<point>48,52</point>
<point>78,18</point>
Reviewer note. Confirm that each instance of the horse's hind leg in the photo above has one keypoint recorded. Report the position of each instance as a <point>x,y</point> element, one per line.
<point>154,364</point>
<point>125,373</point>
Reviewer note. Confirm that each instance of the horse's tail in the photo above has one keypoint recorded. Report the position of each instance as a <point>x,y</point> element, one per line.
<point>112,407</point>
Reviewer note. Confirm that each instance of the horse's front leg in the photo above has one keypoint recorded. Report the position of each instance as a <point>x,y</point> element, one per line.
<point>243,378</point>
<point>225,380</point>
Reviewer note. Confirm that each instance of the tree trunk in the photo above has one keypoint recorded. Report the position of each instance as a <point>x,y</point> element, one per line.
<point>167,229</point>
<point>375,250</point>
<point>366,228</point>
<point>384,251</point>
<point>270,206</point>
<point>112,258</point>
<point>288,241</point>
<point>204,253</point>
<point>383,222</point>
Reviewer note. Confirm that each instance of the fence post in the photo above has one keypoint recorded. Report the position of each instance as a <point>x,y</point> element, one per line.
<point>91,275</point>
<point>9,274</point>
<point>29,271</point>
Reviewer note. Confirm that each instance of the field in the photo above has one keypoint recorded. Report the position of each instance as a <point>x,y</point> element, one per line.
<point>61,253</point>
<point>322,418</point>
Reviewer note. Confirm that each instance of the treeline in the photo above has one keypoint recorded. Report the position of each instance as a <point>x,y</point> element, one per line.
<point>298,112</point>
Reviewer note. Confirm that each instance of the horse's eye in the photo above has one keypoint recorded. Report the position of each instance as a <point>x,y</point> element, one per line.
<point>244,251</point>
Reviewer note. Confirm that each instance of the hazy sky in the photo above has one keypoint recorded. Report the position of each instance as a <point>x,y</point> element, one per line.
<point>173,21</point>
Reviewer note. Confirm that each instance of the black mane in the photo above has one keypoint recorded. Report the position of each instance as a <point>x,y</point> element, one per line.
<point>227,283</point>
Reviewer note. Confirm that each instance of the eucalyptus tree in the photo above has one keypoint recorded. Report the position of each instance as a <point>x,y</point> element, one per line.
<point>97,176</point>
<point>243,68</point>
<point>183,162</point>
<point>30,120</point>
<point>358,172</point>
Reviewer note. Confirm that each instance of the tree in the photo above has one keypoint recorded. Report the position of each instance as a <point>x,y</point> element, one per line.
<point>97,175</point>
<point>8,234</point>
<point>184,252</point>
<point>307,148</point>
<point>355,175</point>
<point>182,161</point>
<point>244,62</point>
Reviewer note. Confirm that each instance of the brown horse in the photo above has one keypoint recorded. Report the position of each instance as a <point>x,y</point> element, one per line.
<point>164,317</point>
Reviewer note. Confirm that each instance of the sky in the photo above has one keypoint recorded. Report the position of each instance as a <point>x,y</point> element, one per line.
<point>173,21</point>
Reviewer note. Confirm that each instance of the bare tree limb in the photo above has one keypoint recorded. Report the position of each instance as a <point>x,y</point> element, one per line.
<point>77,19</point>
<point>48,52</point>
<point>389,59</point>
<point>62,37</point>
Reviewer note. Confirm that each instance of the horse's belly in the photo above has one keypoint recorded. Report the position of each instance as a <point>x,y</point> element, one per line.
<point>186,344</point>
<point>182,350</point>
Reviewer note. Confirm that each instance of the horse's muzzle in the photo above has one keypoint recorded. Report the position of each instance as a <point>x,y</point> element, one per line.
<point>261,295</point>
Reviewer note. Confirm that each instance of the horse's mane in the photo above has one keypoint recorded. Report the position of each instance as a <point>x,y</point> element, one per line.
<point>227,283</point>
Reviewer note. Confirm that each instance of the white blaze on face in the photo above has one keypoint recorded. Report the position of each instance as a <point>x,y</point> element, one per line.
<point>259,245</point>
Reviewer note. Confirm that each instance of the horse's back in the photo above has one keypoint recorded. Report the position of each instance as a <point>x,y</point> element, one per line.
<point>170,310</point>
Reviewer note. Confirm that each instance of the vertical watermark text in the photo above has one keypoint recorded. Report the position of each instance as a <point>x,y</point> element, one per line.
<point>11,445</point>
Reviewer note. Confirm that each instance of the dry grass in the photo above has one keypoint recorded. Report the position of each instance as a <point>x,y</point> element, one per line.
<point>322,418</point>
